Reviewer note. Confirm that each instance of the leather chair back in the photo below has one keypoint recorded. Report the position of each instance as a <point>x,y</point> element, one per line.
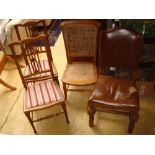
<point>120,48</point>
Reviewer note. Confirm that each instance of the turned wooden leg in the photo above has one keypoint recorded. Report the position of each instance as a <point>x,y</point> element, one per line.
<point>132,120</point>
<point>91,113</point>
<point>65,111</point>
<point>31,122</point>
<point>65,90</point>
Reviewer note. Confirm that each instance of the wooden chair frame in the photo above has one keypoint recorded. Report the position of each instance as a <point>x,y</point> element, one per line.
<point>80,59</point>
<point>31,29</point>
<point>95,104</point>
<point>28,81</point>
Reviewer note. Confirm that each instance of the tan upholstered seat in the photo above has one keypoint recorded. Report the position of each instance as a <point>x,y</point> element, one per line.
<point>82,73</point>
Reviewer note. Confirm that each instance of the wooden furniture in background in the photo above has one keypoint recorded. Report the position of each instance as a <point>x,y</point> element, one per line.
<point>120,49</point>
<point>41,88</point>
<point>81,43</point>
<point>31,29</point>
<point>3,62</point>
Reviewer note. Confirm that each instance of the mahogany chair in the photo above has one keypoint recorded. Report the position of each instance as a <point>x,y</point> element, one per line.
<point>120,48</point>
<point>81,43</point>
<point>41,89</point>
<point>33,29</point>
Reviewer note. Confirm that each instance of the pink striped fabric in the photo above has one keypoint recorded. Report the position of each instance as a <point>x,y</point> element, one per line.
<point>42,93</point>
<point>44,65</point>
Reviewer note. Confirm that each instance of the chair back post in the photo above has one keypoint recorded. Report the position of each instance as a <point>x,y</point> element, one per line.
<point>49,55</point>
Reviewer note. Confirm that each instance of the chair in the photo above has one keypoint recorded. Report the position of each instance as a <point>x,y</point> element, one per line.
<point>120,48</point>
<point>81,43</point>
<point>32,29</point>
<point>41,89</point>
<point>11,33</point>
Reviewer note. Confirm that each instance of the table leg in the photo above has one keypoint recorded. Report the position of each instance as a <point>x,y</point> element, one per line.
<point>3,62</point>
<point>7,85</point>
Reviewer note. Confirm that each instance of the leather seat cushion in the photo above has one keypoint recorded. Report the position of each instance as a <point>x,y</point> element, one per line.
<point>112,92</point>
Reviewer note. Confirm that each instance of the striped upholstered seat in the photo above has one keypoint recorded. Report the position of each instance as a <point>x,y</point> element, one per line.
<point>41,86</point>
<point>44,65</point>
<point>42,94</point>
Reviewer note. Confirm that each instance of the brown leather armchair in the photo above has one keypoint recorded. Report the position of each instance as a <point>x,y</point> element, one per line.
<point>120,48</point>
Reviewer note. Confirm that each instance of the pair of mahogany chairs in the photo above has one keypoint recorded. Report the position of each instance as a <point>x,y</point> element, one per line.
<point>40,77</point>
<point>119,48</point>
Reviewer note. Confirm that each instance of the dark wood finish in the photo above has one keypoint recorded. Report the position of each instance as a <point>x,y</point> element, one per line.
<point>81,43</point>
<point>121,49</point>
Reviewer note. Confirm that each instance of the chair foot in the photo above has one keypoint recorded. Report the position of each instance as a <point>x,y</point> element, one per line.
<point>91,122</point>
<point>36,133</point>
<point>132,120</point>
<point>31,122</point>
<point>91,113</point>
<point>65,112</point>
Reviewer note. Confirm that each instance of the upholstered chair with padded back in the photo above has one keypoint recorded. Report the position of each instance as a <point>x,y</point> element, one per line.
<point>120,48</point>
